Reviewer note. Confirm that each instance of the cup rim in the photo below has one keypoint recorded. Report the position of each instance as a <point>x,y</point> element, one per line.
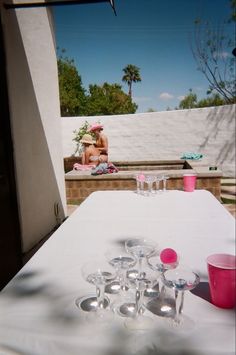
<point>220,264</point>
<point>193,174</point>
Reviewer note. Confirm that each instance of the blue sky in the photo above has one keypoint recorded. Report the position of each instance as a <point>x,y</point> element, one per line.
<point>154,35</point>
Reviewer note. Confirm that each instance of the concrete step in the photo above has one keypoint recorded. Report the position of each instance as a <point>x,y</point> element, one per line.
<point>231,208</point>
<point>229,198</point>
<point>225,181</point>
<point>231,190</point>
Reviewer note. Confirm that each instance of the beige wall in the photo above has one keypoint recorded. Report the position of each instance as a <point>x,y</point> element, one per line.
<point>165,135</point>
<point>34,110</point>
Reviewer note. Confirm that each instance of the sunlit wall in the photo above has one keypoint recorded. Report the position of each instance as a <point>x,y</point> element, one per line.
<point>34,110</point>
<point>165,135</point>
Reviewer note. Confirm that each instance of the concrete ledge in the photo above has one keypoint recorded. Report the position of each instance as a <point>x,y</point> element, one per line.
<point>81,175</point>
<point>80,184</point>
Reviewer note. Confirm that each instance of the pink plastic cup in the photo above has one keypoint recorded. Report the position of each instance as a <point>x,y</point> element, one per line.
<point>189,182</point>
<point>221,273</point>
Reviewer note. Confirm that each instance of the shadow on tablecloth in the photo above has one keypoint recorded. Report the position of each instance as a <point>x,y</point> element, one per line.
<point>202,290</point>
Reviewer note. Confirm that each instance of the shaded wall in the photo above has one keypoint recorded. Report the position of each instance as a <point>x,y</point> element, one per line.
<point>165,135</point>
<point>35,124</point>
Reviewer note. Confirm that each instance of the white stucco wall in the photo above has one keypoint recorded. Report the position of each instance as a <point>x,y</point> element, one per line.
<point>165,135</point>
<point>35,112</point>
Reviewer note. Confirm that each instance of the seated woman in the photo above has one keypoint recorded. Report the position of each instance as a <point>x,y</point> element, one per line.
<point>91,155</point>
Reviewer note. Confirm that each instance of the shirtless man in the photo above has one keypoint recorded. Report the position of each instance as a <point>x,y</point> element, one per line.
<point>101,138</point>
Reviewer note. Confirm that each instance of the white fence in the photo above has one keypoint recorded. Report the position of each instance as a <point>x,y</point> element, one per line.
<point>165,135</point>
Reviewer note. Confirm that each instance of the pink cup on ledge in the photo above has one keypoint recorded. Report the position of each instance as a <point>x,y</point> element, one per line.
<point>221,273</point>
<point>189,182</point>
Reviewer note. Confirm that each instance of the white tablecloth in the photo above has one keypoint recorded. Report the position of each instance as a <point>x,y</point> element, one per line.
<point>38,315</point>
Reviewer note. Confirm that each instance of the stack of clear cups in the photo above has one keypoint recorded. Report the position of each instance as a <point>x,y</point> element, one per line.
<point>140,179</point>
<point>150,180</point>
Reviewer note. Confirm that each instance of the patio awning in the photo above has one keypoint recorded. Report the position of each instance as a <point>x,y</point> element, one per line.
<point>16,4</point>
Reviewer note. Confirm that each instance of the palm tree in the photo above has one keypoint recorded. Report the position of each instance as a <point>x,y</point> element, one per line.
<point>131,75</point>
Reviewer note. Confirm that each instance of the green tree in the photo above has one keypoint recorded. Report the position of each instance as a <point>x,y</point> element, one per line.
<point>189,101</point>
<point>212,50</point>
<point>131,75</point>
<point>72,93</point>
<point>213,100</point>
<point>108,99</point>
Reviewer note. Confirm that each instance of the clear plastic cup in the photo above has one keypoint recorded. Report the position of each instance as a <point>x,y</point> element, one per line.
<point>140,179</point>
